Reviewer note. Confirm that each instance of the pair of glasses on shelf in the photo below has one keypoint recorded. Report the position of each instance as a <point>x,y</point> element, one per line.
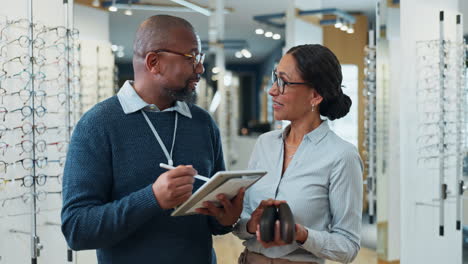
<point>26,95</point>
<point>27,146</point>
<point>28,163</point>
<point>60,32</point>
<point>29,180</point>
<point>40,128</point>
<point>26,111</point>
<point>23,75</point>
<point>27,198</point>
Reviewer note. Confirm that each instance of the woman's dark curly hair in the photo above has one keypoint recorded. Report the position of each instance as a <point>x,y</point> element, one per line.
<point>320,67</point>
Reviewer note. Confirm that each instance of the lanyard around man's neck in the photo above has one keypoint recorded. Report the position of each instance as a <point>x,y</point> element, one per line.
<point>161,143</point>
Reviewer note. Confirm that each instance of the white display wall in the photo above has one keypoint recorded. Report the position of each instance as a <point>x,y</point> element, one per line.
<point>97,72</point>
<point>421,238</point>
<point>346,127</point>
<point>389,61</point>
<point>204,94</point>
<point>41,93</point>
<point>231,106</point>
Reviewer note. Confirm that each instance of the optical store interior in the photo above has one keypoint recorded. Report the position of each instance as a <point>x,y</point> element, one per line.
<point>351,114</point>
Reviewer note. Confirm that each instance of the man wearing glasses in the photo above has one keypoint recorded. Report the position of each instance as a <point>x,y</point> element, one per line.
<point>116,198</point>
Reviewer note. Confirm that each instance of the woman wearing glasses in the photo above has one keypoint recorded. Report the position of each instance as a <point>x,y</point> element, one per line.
<point>318,174</point>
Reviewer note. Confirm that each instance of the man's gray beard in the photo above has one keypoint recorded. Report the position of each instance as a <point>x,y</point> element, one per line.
<point>183,95</point>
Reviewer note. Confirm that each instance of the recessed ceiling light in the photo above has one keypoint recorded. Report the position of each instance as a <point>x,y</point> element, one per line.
<point>215,70</point>
<point>246,53</point>
<point>128,12</point>
<point>113,8</point>
<point>338,23</point>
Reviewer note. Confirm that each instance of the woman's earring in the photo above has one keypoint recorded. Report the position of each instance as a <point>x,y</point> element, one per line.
<point>313,107</point>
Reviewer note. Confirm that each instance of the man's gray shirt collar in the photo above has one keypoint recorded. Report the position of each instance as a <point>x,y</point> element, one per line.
<point>132,102</point>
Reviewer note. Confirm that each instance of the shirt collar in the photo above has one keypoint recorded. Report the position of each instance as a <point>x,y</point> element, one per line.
<point>132,102</point>
<point>314,136</point>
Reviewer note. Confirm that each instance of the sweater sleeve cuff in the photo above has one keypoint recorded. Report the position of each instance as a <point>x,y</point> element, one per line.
<point>240,230</point>
<point>148,200</point>
<point>315,241</point>
<point>217,228</point>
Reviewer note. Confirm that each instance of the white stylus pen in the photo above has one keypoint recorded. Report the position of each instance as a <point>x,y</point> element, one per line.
<point>169,167</point>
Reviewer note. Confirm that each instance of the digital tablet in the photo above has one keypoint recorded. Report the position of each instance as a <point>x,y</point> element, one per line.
<point>225,182</point>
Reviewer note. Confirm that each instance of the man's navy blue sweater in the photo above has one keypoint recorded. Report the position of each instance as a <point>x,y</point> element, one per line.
<point>108,202</point>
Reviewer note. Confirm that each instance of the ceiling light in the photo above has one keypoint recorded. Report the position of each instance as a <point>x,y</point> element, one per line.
<point>246,53</point>
<point>276,36</point>
<point>129,12</point>
<point>113,8</point>
<point>344,27</point>
<point>350,29</point>
<point>238,54</point>
<point>215,70</point>
<point>96,3</point>
<point>269,34</point>
<point>338,23</point>
<point>259,31</point>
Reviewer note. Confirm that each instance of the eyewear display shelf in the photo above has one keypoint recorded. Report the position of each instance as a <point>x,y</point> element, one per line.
<point>442,113</point>
<point>39,83</point>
